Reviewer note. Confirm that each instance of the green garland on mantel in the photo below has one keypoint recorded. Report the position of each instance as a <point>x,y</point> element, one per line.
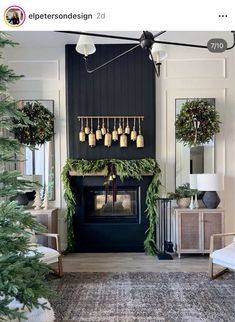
<point>125,169</point>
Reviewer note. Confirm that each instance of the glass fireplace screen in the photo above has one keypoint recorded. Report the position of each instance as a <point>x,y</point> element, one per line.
<point>125,207</point>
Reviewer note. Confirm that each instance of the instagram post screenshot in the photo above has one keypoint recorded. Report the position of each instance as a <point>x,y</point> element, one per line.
<point>117,175</point>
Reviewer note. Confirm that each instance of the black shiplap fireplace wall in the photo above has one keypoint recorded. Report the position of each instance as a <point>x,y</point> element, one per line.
<point>125,87</point>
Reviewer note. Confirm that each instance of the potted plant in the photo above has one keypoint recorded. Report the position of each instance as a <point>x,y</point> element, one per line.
<point>182,195</point>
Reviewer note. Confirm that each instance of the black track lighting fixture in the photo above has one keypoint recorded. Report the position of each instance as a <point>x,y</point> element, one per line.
<point>147,41</point>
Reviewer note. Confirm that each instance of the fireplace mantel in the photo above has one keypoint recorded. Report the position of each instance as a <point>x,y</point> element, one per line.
<point>97,174</point>
<point>88,174</point>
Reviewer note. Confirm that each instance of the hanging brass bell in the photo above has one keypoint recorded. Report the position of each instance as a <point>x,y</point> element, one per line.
<point>82,136</point>
<point>123,141</point>
<point>127,130</point>
<point>87,130</point>
<point>140,141</point>
<point>107,139</point>
<point>119,130</point>
<point>133,135</point>
<point>98,134</point>
<point>115,135</point>
<point>91,139</point>
<point>103,130</point>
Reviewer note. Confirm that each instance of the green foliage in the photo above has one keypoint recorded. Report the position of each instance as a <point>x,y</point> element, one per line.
<point>8,111</point>
<point>16,226</point>
<point>197,123</point>
<point>7,75</point>
<point>8,145</point>
<point>41,126</point>
<point>8,148</point>
<point>125,169</point>
<point>4,40</point>
<point>182,191</point>
<point>21,277</point>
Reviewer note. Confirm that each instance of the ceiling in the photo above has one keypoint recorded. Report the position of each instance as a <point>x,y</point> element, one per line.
<point>58,39</point>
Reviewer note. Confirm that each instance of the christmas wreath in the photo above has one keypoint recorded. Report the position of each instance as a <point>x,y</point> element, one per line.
<point>197,123</point>
<point>40,127</point>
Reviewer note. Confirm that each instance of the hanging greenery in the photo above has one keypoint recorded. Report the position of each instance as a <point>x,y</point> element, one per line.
<point>41,126</point>
<point>197,123</point>
<point>125,169</point>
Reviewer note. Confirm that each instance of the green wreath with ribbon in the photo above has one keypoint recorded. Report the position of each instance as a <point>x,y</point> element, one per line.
<point>197,123</point>
<point>40,127</point>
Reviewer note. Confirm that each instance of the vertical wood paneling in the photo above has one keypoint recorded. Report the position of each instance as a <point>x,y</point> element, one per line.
<point>125,87</point>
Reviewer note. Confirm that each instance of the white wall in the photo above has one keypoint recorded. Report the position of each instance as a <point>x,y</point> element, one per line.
<point>197,73</point>
<point>44,78</point>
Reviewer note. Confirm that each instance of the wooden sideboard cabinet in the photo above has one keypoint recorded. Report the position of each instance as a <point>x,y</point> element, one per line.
<point>194,228</point>
<point>49,218</point>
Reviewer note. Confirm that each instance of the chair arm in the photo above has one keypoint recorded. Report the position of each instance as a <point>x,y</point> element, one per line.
<point>218,235</point>
<point>56,236</point>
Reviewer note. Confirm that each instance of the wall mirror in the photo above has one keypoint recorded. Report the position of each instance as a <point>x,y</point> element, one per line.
<point>40,162</point>
<point>197,159</point>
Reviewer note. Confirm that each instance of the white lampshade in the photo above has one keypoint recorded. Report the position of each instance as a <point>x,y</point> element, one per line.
<point>193,181</point>
<point>159,52</point>
<point>210,182</point>
<point>85,45</point>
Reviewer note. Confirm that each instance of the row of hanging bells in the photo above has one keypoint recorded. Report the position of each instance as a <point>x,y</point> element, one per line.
<point>119,132</point>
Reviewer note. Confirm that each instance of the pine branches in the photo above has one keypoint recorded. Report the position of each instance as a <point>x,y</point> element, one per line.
<point>7,75</point>
<point>21,277</point>
<point>26,290</point>
<point>16,228</point>
<point>11,182</point>
<point>4,40</point>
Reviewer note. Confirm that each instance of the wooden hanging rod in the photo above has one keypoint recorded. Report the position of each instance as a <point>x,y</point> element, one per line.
<point>110,117</point>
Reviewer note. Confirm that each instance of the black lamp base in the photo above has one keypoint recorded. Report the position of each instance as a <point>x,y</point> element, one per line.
<point>211,199</point>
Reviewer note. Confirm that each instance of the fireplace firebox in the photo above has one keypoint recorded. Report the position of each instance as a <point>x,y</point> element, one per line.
<point>109,227</point>
<point>100,207</point>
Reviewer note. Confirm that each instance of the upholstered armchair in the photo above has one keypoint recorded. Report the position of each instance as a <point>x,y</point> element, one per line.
<point>50,255</point>
<point>224,257</point>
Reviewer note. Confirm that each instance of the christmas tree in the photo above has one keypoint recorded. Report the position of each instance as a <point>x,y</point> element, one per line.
<point>21,278</point>
<point>37,201</point>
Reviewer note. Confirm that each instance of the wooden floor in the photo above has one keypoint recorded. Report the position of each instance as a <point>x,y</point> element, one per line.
<point>132,262</point>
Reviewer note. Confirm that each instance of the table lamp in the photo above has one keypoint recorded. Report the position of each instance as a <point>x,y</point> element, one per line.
<point>193,185</point>
<point>210,183</point>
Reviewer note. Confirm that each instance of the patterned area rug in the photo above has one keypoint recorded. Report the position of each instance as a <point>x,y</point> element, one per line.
<point>140,297</point>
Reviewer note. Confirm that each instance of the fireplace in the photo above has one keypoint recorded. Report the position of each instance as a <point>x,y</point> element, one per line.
<point>100,205</point>
<point>101,226</point>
